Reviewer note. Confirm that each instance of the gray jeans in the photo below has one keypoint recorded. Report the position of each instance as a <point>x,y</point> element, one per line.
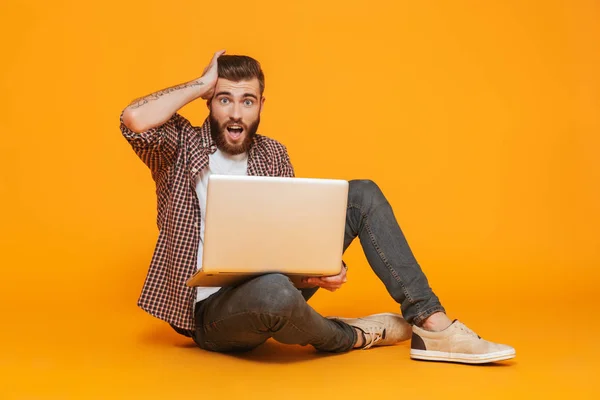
<point>243,317</point>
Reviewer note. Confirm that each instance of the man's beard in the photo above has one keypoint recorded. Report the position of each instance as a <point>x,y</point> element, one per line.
<point>218,134</point>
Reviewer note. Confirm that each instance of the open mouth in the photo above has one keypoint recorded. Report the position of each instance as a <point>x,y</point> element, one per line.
<point>235,131</point>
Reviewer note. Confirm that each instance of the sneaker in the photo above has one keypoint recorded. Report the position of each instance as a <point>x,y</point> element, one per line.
<point>383,329</point>
<point>457,343</point>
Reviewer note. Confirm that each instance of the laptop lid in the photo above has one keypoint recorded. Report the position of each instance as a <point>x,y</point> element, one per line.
<point>273,224</point>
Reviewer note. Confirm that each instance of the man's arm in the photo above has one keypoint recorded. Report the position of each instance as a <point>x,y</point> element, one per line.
<point>285,166</point>
<point>157,108</point>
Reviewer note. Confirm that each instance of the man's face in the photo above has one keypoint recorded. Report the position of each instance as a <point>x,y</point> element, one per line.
<point>235,114</point>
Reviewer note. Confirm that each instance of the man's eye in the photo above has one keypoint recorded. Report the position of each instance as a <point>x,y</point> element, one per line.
<point>248,102</point>
<point>224,100</point>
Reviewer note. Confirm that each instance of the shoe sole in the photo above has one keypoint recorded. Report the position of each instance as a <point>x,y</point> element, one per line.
<point>430,355</point>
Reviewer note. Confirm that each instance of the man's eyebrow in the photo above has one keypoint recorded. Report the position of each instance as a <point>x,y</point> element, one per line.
<point>231,95</point>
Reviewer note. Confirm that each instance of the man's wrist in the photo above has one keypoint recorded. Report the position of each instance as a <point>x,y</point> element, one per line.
<point>201,87</point>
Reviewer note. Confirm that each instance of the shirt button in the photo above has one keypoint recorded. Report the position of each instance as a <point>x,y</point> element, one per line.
<point>194,170</point>
<point>195,224</point>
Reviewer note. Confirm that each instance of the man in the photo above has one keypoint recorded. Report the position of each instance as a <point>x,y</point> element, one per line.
<point>181,157</point>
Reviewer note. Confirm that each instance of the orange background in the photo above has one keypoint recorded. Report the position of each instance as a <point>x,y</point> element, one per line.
<point>479,120</point>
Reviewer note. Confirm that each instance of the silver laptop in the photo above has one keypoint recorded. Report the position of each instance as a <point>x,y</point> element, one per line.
<point>257,225</point>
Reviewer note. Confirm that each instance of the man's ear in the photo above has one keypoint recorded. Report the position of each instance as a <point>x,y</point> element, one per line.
<point>262,103</point>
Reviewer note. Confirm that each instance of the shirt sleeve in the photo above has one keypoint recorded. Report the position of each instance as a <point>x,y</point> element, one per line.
<point>286,170</point>
<point>156,147</point>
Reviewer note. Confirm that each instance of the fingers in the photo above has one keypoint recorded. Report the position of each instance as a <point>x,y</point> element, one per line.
<point>331,288</point>
<point>333,279</point>
<point>217,55</point>
<point>213,62</point>
<point>326,282</point>
<point>318,281</point>
<point>324,285</point>
<point>339,278</point>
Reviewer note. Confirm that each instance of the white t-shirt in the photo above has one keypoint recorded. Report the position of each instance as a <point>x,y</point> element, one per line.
<point>219,163</point>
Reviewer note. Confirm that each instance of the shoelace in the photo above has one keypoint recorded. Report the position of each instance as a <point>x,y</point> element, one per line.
<point>467,330</point>
<point>372,336</point>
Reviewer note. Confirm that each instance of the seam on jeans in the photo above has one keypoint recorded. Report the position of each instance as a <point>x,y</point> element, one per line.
<point>208,324</point>
<point>288,319</point>
<point>386,263</point>
<point>205,324</point>
<point>425,314</point>
<point>417,305</point>
<point>300,330</point>
<point>363,215</point>
<point>256,314</point>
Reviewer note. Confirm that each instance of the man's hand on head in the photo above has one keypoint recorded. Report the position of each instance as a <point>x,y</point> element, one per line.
<point>210,75</point>
<point>331,283</point>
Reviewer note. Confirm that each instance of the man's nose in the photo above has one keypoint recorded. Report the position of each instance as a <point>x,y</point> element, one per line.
<point>236,112</point>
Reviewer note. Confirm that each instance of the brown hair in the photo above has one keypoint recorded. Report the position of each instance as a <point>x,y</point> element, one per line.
<point>240,68</point>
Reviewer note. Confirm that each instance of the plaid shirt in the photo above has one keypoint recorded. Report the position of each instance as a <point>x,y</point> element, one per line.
<point>176,152</point>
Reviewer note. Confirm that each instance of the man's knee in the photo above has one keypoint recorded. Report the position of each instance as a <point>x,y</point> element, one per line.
<point>365,191</point>
<point>274,294</point>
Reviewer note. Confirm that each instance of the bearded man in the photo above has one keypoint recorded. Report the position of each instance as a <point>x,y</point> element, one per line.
<point>181,157</point>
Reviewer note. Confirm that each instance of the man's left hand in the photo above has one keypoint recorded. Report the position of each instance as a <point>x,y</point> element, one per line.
<point>331,283</point>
